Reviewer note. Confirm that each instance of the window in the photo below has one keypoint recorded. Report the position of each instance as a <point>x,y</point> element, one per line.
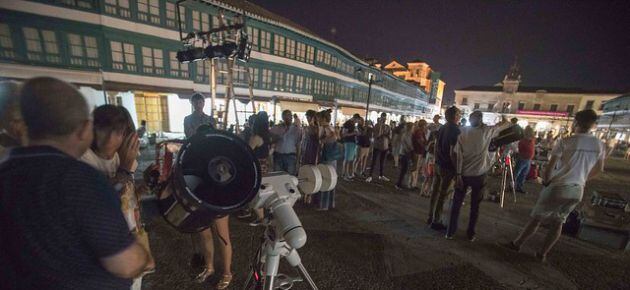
<point>553,108</point>
<point>152,60</point>
<point>278,45</point>
<point>41,45</point>
<point>290,48</point>
<point>202,71</point>
<point>149,11</point>
<point>570,109</point>
<point>299,83</point>
<point>589,105</point>
<point>320,56</point>
<point>308,85</point>
<point>289,83</point>
<point>464,101</point>
<point>490,107</point>
<point>521,106</point>
<point>253,37</point>
<point>201,21</point>
<point>171,12</point>
<point>215,21</point>
<point>83,50</point>
<point>476,106</point>
<point>279,81</point>
<point>118,7</point>
<point>178,69</point>
<point>310,54</point>
<point>254,74</point>
<point>266,79</point>
<point>6,43</point>
<point>301,51</point>
<point>87,4</point>
<point>317,87</point>
<point>536,107</point>
<point>123,56</point>
<point>265,41</point>
<point>327,58</point>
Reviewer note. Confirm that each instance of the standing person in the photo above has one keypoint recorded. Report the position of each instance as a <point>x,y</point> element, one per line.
<point>434,127</point>
<point>330,155</point>
<point>198,117</point>
<point>446,139</point>
<point>473,160</point>
<point>259,139</point>
<point>406,153</point>
<point>113,153</point>
<point>382,135</point>
<point>66,227</point>
<point>364,142</point>
<point>349,139</point>
<point>525,156</point>
<point>397,131</point>
<point>419,142</point>
<point>142,130</point>
<point>287,137</point>
<point>574,160</point>
<point>12,128</point>
<point>309,153</point>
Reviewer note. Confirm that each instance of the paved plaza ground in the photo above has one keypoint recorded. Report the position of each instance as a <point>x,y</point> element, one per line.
<point>376,238</point>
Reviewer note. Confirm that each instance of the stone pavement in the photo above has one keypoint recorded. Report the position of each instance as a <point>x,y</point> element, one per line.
<point>376,239</point>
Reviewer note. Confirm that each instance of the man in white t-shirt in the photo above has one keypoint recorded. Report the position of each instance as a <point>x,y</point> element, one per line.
<point>573,161</point>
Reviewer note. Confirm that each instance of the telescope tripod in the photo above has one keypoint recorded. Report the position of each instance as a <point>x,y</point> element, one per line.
<point>267,261</point>
<point>507,169</point>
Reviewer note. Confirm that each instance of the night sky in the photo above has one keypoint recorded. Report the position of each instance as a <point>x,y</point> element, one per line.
<point>584,44</point>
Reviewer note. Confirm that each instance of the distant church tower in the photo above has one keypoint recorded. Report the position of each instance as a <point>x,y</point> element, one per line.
<point>510,86</point>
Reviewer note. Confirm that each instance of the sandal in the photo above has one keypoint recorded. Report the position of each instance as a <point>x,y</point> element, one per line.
<point>225,282</point>
<point>204,275</point>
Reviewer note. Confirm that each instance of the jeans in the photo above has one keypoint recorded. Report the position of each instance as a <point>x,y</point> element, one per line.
<point>285,162</point>
<point>521,171</point>
<point>477,184</point>
<point>326,199</point>
<point>381,156</point>
<point>404,168</point>
<point>442,181</point>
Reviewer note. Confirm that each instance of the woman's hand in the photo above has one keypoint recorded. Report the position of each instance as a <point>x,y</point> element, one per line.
<point>128,151</point>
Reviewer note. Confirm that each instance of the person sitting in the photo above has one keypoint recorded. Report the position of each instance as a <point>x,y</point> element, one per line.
<point>66,227</point>
<point>12,128</point>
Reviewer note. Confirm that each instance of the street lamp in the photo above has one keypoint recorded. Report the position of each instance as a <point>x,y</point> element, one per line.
<point>371,80</point>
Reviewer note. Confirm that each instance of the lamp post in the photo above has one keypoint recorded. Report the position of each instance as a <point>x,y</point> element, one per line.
<point>367,105</point>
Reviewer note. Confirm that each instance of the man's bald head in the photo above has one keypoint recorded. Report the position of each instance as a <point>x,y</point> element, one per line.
<point>52,108</point>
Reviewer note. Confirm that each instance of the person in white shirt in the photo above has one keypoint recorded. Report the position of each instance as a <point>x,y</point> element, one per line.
<point>574,160</point>
<point>473,162</point>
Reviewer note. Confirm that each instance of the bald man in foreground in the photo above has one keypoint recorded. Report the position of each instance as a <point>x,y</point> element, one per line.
<point>61,223</point>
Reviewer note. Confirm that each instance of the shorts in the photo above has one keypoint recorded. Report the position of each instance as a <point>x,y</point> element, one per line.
<point>350,151</point>
<point>556,202</point>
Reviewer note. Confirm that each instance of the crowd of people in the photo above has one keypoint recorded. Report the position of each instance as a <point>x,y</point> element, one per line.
<point>70,203</point>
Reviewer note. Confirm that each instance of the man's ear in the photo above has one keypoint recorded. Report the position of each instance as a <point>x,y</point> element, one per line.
<point>85,131</point>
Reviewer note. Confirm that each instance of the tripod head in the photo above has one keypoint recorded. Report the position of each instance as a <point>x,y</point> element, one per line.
<point>278,193</point>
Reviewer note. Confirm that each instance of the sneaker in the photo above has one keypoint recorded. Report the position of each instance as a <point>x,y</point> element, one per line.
<point>438,226</point>
<point>397,187</point>
<point>346,178</point>
<point>520,190</point>
<point>383,178</point>
<point>245,214</point>
<point>540,257</point>
<point>472,238</point>
<point>510,246</point>
<point>369,179</point>
<point>448,237</point>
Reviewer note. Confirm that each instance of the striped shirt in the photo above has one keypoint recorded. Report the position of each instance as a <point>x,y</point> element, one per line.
<point>58,217</point>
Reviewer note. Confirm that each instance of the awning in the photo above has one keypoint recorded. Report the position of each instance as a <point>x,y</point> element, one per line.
<point>297,106</point>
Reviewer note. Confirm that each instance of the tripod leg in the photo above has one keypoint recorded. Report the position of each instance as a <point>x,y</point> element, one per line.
<point>293,258</point>
<point>271,270</point>
<point>513,183</point>
<point>249,280</point>
<point>306,276</point>
<point>503,184</point>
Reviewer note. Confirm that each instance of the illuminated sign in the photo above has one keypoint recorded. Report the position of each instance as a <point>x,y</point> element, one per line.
<point>543,113</point>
